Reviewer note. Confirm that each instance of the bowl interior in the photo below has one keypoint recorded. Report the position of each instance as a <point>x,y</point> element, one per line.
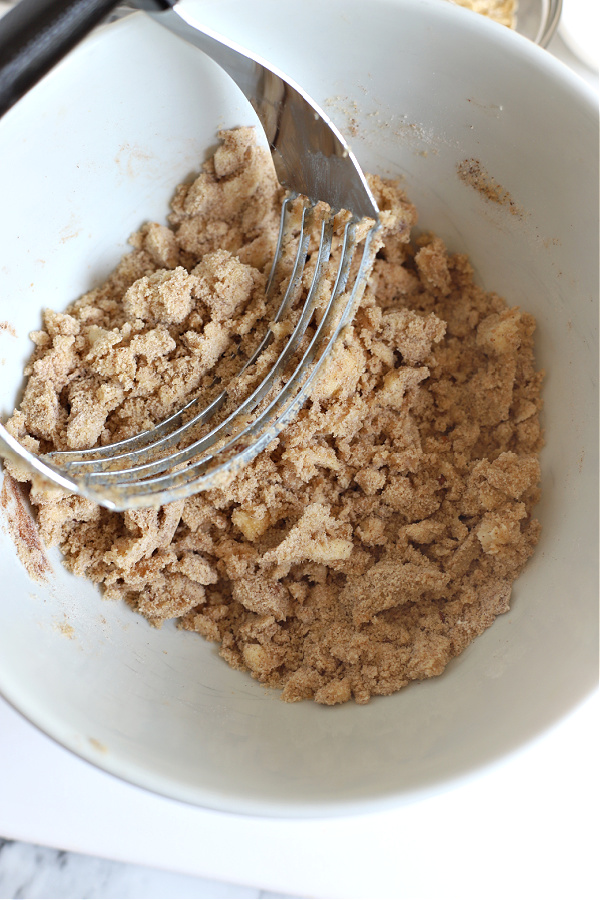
<point>95,150</point>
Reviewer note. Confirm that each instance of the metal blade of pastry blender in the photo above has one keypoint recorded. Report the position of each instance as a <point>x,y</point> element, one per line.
<point>309,153</point>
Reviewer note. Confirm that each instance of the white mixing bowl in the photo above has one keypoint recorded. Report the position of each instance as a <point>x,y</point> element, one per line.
<point>95,150</point>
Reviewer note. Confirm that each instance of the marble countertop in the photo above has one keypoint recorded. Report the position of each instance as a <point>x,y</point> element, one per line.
<point>27,870</point>
<point>33,871</point>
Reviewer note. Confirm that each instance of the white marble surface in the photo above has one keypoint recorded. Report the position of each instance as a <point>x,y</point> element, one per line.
<point>35,872</point>
<point>31,871</point>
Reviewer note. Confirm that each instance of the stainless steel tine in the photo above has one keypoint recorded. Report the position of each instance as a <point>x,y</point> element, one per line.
<point>224,429</point>
<point>258,434</point>
<point>170,431</point>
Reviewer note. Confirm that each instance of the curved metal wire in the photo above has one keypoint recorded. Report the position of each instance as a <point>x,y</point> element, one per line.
<point>210,473</point>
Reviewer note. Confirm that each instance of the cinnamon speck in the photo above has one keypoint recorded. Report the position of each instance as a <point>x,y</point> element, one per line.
<point>20,525</point>
<point>473,173</point>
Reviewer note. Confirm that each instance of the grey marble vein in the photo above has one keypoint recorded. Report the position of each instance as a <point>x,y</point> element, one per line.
<point>32,872</point>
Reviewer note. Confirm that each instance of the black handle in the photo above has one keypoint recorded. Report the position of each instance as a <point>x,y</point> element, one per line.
<point>36,34</point>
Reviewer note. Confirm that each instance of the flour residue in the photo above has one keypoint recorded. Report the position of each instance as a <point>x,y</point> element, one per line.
<point>65,629</point>
<point>416,136</point>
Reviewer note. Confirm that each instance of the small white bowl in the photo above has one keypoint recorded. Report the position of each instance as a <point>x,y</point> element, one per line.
<point>95,150</point>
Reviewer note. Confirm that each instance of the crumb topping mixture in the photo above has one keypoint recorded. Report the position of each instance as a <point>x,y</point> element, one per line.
<point>382,531</point>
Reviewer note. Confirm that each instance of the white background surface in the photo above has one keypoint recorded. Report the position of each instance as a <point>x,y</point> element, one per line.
<point>525,829</point>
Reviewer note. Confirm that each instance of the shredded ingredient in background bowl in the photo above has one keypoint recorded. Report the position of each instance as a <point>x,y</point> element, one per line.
<point>382,531</point>
<point>503,11</point>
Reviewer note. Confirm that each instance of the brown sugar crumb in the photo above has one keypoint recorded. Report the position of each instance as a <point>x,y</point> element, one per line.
<point>382,531</point>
